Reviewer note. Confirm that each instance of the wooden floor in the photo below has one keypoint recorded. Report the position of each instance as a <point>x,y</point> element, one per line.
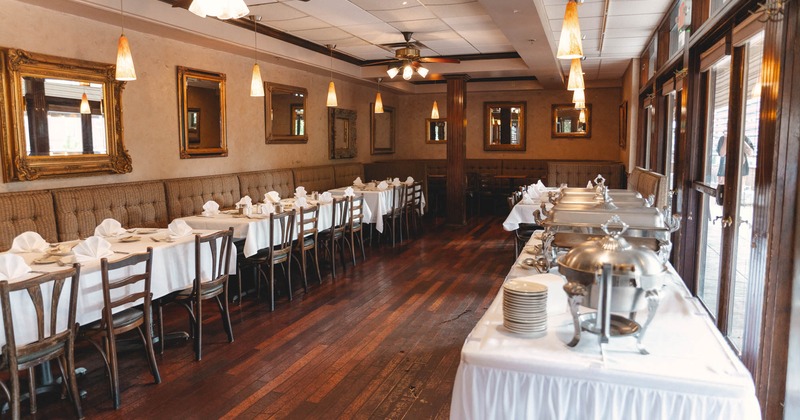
<point>381,341</point>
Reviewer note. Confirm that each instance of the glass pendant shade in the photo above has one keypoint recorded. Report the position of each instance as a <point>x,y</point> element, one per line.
<point>392,72</point>
<point>580,105</point>
<point>575,75</point>
<point>378,104</point>
<point>85,108</point>
<point>570,45</point>
<point>125,69</point>
<point>422,71</point>
<point>407,72</point>
<point>435,111</point>
<point>220,9</point>
<point>256,85</point>
<point>332,102</point>
<point>582,117</point>
<point>578,95</point>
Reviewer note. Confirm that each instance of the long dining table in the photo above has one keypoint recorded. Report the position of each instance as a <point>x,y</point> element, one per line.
<point>377,201</point>
<point>172,270</point>
<point>690,373</point>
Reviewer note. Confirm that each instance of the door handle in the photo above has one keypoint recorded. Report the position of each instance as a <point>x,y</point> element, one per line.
<point>727,221</point>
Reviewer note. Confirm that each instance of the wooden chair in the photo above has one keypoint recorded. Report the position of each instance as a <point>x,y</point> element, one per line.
<point>334,236</point>
<point>206,285</point>
<point>102,333</point>
<point>278,252</point>
<point>394,218</point>
<point>51,344</point>
<point>307,236</point>
<point>413,209</point>
<point>355,226</point>
<point>522,234</point>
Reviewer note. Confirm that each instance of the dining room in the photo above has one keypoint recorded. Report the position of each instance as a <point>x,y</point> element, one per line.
<point>351,208</point>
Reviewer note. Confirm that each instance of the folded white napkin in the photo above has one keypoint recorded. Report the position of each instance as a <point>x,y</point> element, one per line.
<point>396,182</point>
<point>540,186</point>
<point>108,228</point>
<point>348,192</point>
<point>12,266</point>
<point>300,202</point>
<point>93,248</point>
<point>272,197</point>
<point>325,197</point>
<point>300,192</point>
<point>383,185</point>
<point>526,198</point>
<point>29,242</point>
<point>589,185</point>
<point>178,229</point>
<point>210,208</point>
<point>246,201</point>
<point>409,181</point>
<point>358,182</point>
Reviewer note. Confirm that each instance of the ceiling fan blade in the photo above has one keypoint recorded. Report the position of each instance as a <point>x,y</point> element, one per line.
<point>439,60</point>
<point>390,61</point>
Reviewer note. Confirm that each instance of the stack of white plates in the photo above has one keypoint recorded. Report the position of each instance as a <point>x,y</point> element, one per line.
<point>524,306</point>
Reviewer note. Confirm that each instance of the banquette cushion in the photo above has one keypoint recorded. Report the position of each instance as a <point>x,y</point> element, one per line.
<point>256,184</point>
<point>315,178</point>
<point>24,211</point>
<point>186,196</point>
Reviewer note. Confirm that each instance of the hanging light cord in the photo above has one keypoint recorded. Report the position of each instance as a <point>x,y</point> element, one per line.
<point>122,14</point>
<point>255,37</point>
<point>331,68</point>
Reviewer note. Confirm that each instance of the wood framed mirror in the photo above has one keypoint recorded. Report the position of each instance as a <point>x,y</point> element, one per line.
<point>48,129</point>
<point>201,106</point>
<point>436,130</point>
<point>342,133</point>
<point>568,122</point>
<point>382,130</point>
<point>285,108</point>
<point>504,126</point>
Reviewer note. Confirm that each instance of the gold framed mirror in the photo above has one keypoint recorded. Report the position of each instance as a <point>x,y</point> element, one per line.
<point>382,130</point>
<point>342,133</point>
<point>568,122</point>
<point>436,130</point>
<point>201,106</point>
<point>504,126</point>
<point>285,114</point>
<point>49,129</point>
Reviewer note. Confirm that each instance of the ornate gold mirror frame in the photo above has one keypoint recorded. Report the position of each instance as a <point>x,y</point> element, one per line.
<point>286,120</point>
<point>38,90</point>
<point>201,98</point>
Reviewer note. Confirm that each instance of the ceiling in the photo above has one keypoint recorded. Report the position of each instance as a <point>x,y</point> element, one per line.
<point>496,39</point>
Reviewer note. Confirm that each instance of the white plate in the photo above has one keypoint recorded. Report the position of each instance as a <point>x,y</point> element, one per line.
<point>524,287</point>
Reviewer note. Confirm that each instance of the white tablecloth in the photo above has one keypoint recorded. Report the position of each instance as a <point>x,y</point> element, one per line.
<point>691,373</point>
<point>379,203</point>
<point>521,213</point>
<point>173,269</point>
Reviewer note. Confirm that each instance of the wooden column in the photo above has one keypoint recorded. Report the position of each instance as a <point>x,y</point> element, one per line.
<point>456,148</point>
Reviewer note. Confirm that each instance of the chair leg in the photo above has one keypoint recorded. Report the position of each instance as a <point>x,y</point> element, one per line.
<point>316,263</point>
<point>147,337</point>
<point>32,387</point>
<point>198,330</point>
<point>15,394</point>
<point>226,316</point>
<point>112,361</point>
<point>288,275</point>
<point>272,287</point>
<point>69,361</point>
<point>361,241</point>
<point>303,267</point>
<point>353,247</point>
<point>160,327</point>
<point>333,258</point>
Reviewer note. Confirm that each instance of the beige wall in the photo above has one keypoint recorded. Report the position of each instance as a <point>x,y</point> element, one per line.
<point>630,93</point>
<point>603,145</point>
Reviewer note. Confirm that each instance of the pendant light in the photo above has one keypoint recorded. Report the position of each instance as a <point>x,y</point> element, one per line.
<point>125,69</point>
<point>220,9</point>
<point>575,75</point>
<point>378,100</point>
<point>580,105</point>
<point>256,84</point>
<point>435,111</point>
<point>578,95</point>
<point>332,102</point>
<point>570,45</point>
<point>85,108</point>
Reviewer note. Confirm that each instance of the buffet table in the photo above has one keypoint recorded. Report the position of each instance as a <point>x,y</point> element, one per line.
<point>690,373</point>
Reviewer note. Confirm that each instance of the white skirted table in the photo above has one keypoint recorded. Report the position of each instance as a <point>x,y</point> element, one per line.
<point>690,373</point>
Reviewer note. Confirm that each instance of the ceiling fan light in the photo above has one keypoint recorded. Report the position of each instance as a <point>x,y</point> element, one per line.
<point>435,111</point>
<point>407,72</point>
<point>378,104</point>
<point>332,102</point>
<point>85,108</point>
<point>422,71</point>
<point>578,95</point>
<point>392,72</point>
<point>221,9</point>
<point>256,84</point>
<point>570,45</point>
<point>575,75</point>
<point>125,69</point>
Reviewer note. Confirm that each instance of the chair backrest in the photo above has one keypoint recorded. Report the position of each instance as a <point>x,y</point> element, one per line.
<point>511,201</point>
<point>398,198</point>
<point>308,222</point>
<point>356,212</point>
<point>133,292</point>
<point>58,332</point>
<point>282,225</point>
<point>340,214</point>
<point>418,196</point>
<point>409,197</point>
<point>220,245</point>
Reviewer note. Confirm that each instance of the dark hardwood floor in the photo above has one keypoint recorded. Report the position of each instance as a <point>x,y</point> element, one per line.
<point>381,341</point>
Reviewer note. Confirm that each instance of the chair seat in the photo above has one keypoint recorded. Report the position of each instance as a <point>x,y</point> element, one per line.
<point>185,293</point>
<point>121,318</point>
<point>33,356</point>
<point>308,241</point>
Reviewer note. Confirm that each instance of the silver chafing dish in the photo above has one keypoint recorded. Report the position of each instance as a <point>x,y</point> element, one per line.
<point>612,275</point>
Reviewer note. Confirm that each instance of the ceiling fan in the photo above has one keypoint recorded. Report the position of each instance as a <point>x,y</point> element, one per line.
<point>407,58</point>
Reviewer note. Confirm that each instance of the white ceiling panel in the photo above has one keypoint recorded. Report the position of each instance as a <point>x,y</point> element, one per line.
<point>400,15</point>
<point>586,24</point>
<point>646,21</point>
<point>424,37</point>
<point>460,10</point>
<point>368,52</point>
<point>452,47</point>
<point>372,5</point>
<point>324,35</point>
<point>638,7</point>
<point>276,11</point>
<point>300,24</point>
<point>420,26</point>
<point>336,12</point>
<point>445,2</point>
<point>629,32</point>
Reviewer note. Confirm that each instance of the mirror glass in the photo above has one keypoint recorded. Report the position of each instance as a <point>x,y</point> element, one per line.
<point>436,131</point>
<point>382,131</point>
<point>342,133</point>
<point>202,106</point>
<point>62,115</point>
<point>286,113</point>
<point>571,122</point>
<point>504,126</point>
